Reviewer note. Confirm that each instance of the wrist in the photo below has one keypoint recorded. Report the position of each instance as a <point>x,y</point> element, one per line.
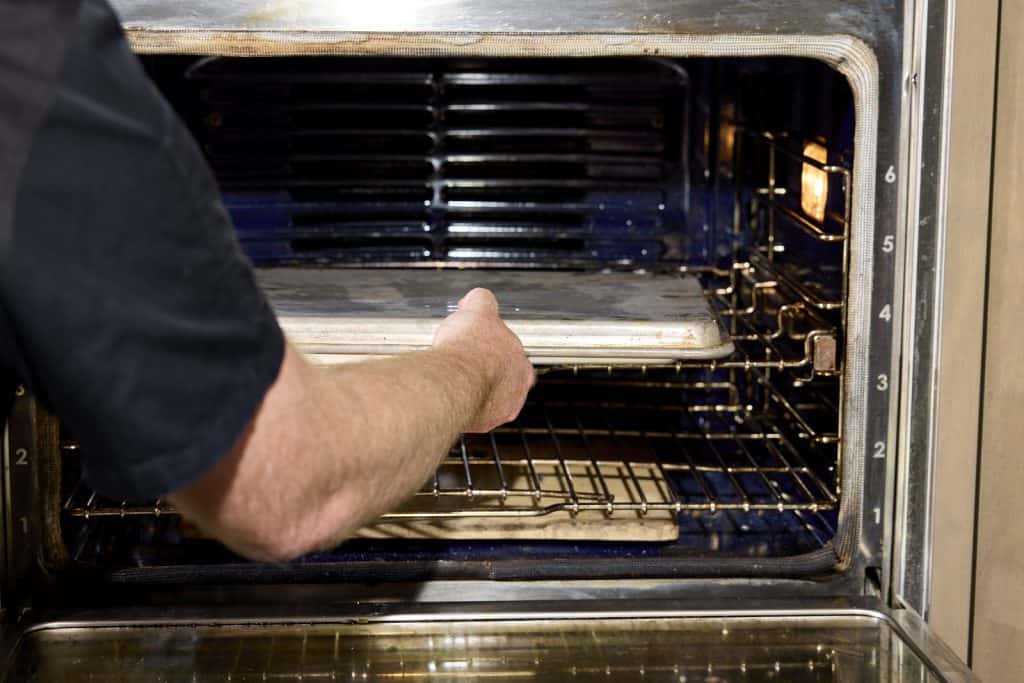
<point>472,375</point>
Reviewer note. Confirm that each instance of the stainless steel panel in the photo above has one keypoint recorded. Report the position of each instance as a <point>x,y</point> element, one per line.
<point>861,18</point>
<point>998,593</point>
<point>928,97</point>
<point>553,641</point>
<point>958,364</point>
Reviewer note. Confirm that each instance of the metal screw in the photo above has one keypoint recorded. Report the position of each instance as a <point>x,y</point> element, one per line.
<point>19,391</point>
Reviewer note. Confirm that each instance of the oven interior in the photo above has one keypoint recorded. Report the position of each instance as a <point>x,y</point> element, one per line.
<point>733,170</point>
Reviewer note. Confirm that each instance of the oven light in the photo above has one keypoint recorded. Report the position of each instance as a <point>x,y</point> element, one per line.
<point>814,183</point>
<point>727,143</point>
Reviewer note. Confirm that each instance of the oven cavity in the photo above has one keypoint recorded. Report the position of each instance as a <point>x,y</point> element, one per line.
<point>736,171</point>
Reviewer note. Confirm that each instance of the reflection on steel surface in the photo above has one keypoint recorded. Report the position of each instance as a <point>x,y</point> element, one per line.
<point>794,649</point>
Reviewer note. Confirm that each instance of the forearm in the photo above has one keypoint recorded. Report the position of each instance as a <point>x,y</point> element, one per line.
<point>403,414</point>
<point>363,437</point>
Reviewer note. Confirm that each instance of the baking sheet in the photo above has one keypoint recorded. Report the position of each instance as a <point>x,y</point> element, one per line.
<point>561,317</point>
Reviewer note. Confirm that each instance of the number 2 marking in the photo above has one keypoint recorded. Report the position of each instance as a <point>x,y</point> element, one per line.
<point>879,450</point>
<point>21,456</point>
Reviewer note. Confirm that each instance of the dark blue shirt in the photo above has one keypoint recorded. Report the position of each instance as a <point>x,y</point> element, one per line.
<point>126,304</point>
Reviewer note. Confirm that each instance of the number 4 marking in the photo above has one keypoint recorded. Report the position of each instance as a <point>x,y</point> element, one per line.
<point>886,313</point>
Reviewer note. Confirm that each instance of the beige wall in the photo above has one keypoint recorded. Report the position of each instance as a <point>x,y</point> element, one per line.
<point>998,650</point>
<point>959,378</point>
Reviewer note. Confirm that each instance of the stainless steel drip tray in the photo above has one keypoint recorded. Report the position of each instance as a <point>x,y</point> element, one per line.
<point>561,317</point>
<point>503,642</point>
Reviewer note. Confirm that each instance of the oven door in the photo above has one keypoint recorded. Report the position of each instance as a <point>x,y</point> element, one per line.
<point>537,640</point>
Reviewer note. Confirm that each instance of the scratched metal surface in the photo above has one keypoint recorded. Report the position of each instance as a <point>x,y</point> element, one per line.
<point>553,296</point>
<point>864,18</point>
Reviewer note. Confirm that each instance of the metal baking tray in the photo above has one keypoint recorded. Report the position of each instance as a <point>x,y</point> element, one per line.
<point>338,315</point>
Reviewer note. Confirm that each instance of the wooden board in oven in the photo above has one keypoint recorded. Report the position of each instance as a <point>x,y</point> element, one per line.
<point>561,317</point>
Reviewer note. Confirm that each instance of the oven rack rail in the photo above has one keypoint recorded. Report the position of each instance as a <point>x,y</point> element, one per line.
<point>561,458</point>
<point>776,322</point>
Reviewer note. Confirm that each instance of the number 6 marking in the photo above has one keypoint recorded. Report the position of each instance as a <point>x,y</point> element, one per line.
<point>890,175</point>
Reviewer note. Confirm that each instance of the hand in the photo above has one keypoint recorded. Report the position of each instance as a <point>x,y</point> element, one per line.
<point>477,334</point>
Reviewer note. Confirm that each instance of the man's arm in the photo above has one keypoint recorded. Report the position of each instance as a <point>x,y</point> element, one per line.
<point>330,450</point>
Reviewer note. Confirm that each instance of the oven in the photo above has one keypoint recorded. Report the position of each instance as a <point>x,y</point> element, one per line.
<point>744,517</point>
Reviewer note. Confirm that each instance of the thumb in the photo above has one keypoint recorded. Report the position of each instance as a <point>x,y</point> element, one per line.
<point>479,300</point>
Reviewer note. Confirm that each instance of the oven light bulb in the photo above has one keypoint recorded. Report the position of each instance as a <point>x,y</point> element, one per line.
<point>727,143</point>
<point>814,183</point>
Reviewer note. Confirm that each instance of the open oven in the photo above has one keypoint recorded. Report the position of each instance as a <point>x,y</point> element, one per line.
<point>726,518</point>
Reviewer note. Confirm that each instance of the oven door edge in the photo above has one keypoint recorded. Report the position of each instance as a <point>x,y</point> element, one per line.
<point>882,641</point>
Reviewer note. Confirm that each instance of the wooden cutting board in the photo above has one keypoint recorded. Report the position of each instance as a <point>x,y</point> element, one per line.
<point>561,317</point>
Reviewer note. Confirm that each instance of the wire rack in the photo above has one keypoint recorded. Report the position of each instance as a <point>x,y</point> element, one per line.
<point>567,454</point>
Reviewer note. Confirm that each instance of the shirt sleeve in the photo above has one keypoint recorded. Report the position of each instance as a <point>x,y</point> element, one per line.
<point>137,316</point>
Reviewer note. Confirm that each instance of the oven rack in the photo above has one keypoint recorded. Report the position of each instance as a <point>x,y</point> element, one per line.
<point>776,322</point>
<point>565,456</point>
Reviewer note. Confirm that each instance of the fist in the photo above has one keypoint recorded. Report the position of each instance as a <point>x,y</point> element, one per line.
<point>479,336</point>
